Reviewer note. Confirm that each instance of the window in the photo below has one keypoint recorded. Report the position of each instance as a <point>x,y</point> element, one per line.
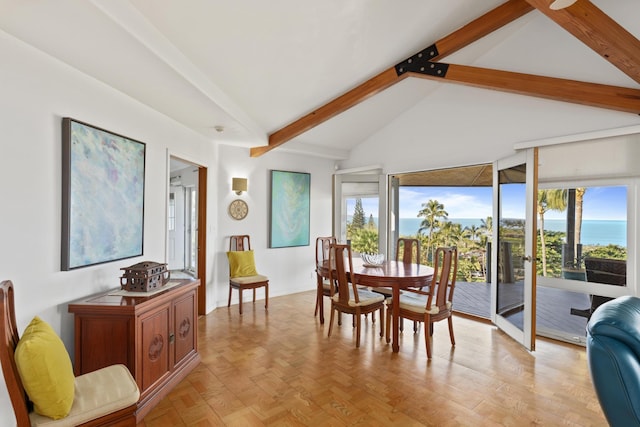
<point>581,224</point>
<point>582,241</point>
<point>172,212</point>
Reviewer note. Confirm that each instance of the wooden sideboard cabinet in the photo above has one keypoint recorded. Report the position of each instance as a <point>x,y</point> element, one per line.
<point>154,336</point>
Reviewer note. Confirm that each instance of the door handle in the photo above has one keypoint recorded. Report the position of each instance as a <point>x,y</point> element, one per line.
<point>527,258</point>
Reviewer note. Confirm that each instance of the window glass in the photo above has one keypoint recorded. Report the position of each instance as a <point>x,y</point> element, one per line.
<point>172,212</point>
<point>362,224</point>
<point>582,233</point>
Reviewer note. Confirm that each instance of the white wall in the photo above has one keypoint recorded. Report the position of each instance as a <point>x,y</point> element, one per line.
<point>37,92</point>
<point>289,269</point>
<point>448,131</point>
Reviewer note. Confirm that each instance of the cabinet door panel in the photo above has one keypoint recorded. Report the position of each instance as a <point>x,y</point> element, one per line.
<point>155,346</point>
<point>185,338</point>
<point>105,341</point>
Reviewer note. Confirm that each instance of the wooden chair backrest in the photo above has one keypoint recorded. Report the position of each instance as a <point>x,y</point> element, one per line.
<point>407,246</point>
<point>240,242</point>
<point>322,249</point>
<point>341,262</point>
<point>445,265</point>
<point>10,338</point>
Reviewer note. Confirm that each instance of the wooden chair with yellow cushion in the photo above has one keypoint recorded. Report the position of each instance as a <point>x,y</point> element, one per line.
<point>242,270</point>
<point>347,296</point>
<point>42,388</point>
<point>435,304</point>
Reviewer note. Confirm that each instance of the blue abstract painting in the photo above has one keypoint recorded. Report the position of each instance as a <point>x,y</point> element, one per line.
<point>290,209</point>
<point>103,196</point>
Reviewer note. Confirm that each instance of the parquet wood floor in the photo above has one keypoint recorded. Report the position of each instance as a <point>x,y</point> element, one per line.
<point>280,369</point>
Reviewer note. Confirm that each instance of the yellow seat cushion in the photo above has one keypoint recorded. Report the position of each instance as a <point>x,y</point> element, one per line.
<point>98,393</point>
<point>241,264</point>
<point>45,370</point>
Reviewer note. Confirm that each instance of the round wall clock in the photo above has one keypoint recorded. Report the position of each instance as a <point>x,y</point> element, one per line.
<point>238,209</point>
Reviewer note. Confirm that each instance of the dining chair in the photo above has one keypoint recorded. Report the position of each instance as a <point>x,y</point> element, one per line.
<point>432,305</point>
<point>347,296</point>
<point>42,388</point>
<point>242,270</point>
<point>323,283</point>
<point>407,247</point>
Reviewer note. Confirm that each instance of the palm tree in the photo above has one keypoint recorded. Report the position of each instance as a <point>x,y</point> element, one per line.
<point>486,228</point>
<point>473,231</point>
<point>433,212</point>
<point>485,231</point>
<point>451,234</point>
<point>549,200</point>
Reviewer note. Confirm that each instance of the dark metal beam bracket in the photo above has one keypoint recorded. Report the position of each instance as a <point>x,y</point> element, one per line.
<point>421,63</point>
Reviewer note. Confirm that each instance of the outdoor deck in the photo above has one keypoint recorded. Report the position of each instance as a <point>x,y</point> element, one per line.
<point>553,306</point>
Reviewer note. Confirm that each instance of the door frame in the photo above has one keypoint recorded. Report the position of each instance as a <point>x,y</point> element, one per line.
<point>202,240</point>
<point>339,208</point>
<point>201,268</point>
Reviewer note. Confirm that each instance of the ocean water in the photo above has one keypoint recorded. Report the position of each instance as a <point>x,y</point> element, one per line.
<point>594,232</point>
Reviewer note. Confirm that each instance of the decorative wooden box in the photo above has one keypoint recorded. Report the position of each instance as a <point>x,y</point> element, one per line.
<point>144,277</point>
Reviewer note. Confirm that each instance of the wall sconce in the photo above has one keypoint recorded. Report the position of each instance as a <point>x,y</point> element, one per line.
<point>239,185</point>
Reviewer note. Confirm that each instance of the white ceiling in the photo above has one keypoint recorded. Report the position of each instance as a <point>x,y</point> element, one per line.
<point>254,66</point>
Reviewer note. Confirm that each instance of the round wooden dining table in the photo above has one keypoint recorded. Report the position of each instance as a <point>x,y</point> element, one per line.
<point>395,275</point>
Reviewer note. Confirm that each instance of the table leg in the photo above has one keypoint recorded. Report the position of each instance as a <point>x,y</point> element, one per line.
<point>320,298</point>
<point>396,318</point>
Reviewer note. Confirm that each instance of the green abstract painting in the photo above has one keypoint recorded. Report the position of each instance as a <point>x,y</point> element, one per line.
<point>290,209</point>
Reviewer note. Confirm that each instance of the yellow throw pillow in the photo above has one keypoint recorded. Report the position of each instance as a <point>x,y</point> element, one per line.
<point>45,370</point>
<point>241,263</point>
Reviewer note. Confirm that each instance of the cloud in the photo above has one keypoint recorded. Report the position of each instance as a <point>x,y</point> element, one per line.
<point>463,202</point>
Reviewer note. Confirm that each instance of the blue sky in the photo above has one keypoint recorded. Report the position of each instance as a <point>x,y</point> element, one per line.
<point>475,202</point>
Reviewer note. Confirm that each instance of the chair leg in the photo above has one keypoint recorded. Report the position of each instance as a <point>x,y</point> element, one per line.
<point>382,321</point>
<point>427,338</point>
<point>358,321</point>
<point>453,340</point>
<point>229,303</point>
<point>240,300</point>
<point>331,321</point>
<point>388,325</point>
<point>254,295</point>
<point>266,296</point>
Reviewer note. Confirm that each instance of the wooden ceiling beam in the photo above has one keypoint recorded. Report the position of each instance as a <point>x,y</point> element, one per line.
<point>600,32</point>
<point>329,110</point>
<point>475,30</point>
<point>482,26</point>
<point>577,92</point>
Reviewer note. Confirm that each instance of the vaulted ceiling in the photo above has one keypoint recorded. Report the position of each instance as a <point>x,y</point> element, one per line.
<point>321,77</point>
